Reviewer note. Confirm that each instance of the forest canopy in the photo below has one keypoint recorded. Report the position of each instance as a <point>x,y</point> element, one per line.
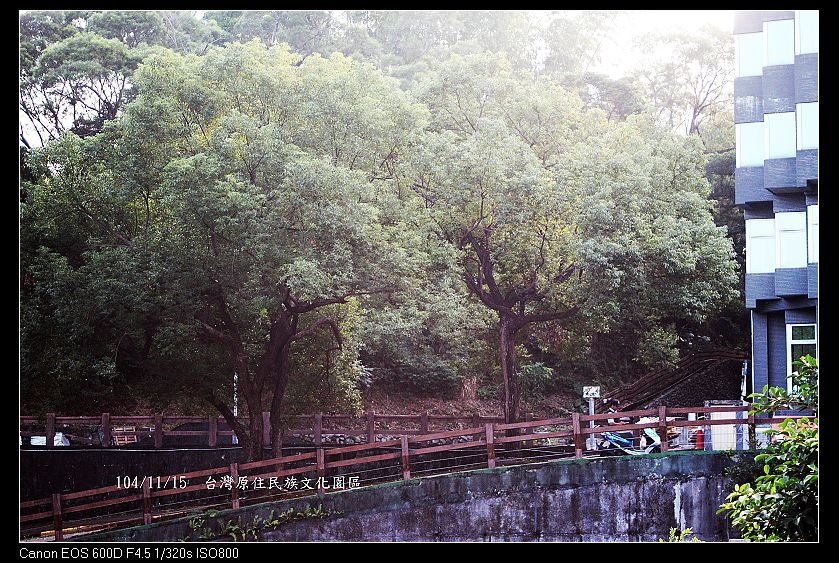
<point>318,202</point>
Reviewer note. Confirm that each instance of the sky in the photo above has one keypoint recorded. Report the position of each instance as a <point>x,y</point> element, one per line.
<point>619,56</point>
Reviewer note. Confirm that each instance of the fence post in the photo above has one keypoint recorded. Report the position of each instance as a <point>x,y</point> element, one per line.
<point>212,431</point>
<point>234,491</point>
<point>106,430</point>
<point>752,445</point>
<point>318,438</point>
<point>158,430</point>
<point>490,432</point>
<point>321,457</point>
<point>578,437</point>
<point>662,427</point>
<point>424,423</point>
<point>406,459</point>
<point>50,433</point>
<point>57,523</point>
<point>266,429</point>
<point>280,442</point>
<point>371,426</point>
<point>147,501</point>
<point>476,420</point>
<point>528,417</point>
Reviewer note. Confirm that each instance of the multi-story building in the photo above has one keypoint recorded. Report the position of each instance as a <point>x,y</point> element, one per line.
<point>776,115</point>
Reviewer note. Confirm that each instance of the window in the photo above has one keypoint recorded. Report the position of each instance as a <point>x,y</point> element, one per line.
<point>779,132</point>
<point>779,42</point>
<point>806,31</point>
<point>748,51</point>
<point>760,246</point>
<point>801,340</point>
<point>792,239</point>
<point>813,233</point>
<point>807,125</point>
<point>750,144</point>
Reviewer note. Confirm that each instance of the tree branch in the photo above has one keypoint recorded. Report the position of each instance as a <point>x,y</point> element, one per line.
<point>214,333</point>
<point>317,325</point>
<point>556,316</point>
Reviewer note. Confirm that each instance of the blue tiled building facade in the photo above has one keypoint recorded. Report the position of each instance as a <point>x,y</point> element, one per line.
<point>776,116</point>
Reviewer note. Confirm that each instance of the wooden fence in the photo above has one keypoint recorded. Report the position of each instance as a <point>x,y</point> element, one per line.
<point>488,444</point>
<point>369,427</point>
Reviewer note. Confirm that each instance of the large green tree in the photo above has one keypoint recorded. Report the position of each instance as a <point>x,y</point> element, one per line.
<point>247,187</point>
<point>558,213</point>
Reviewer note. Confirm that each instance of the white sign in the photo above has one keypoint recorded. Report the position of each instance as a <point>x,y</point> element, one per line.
<point>591,392</point>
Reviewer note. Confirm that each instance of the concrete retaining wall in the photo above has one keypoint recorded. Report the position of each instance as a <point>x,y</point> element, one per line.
<point>608,499</point>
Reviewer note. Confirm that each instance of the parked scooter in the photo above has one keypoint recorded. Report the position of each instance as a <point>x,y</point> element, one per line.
<point>623,442</point>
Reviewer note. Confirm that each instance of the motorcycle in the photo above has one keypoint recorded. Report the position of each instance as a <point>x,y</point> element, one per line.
<point>623,442</point>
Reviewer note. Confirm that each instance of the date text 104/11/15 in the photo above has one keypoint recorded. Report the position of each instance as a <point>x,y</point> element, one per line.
<point>155,482</point>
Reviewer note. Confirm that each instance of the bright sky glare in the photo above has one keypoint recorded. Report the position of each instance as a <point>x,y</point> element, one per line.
<point>619,56</point>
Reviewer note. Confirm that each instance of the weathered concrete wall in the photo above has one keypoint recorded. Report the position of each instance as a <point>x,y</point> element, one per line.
<point>608,499</point>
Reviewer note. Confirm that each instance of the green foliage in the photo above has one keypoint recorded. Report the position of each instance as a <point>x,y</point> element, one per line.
<point>658,348</point>
<point>782,503</point>
<point>489,392</point>
<point>744,470</point>
<point>202,529</point>
<point>325,378</point>
<point>247,169</point>
<point>574,40</point>
<point>804,395</point>
<point>677,536</point>
<point>536,380</point>
<point>131,27</point>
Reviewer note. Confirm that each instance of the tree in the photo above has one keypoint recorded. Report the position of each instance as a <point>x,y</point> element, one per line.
<point>574,40</point>
<point>305,31</point>
<point>782,504</point>
<point>561,216</point>
<point>87,77</point>
<point>694,82</point>
<point>132,28</point>
<point>187,32</point>
<point>190,213</point>
<point>619,98</point>
<point>246,192</point>
<point>38,30</point>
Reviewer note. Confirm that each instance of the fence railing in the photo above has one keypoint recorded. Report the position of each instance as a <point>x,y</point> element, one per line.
<point>327,470</point>
<point>109,431</point>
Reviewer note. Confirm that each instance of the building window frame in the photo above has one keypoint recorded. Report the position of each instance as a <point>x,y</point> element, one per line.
<point>810,31</point>
<point>807,125</point>
<point>813,234</point>
<point>750,138</point>
<point>791,253</point>
<point>814,342</point>
<point>748,51</point>
<point>778,42</point>
<point>779,135</point>
<point>761,229</point>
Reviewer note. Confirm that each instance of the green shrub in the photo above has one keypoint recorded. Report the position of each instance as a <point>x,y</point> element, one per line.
<point>782,503</point>
<point>535,380</point>
<point>677,536</point>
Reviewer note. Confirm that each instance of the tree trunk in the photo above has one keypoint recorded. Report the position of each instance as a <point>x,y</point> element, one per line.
<point>277,401</point>
<point>255,427</point>
<point>507,349</point>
